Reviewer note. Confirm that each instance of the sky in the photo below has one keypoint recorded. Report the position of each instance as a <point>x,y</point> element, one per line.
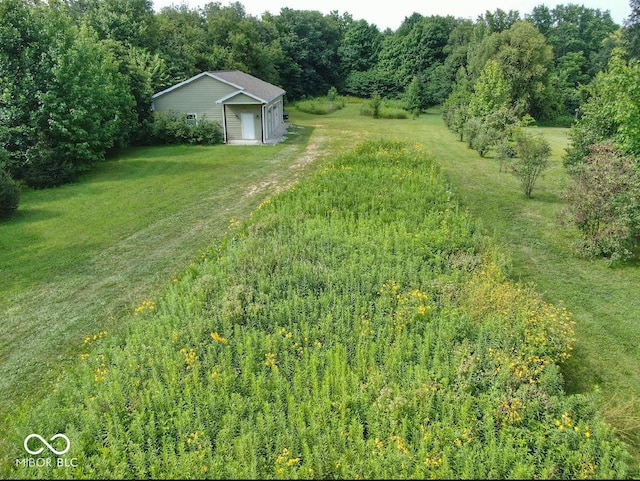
<point>391,14</point>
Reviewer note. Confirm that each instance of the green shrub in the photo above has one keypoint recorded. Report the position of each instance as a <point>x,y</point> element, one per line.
<point>604,203</point>
<point>47,167</point>
<point>479,134</point>
<point>455,113</point>
<point>564,121</point>
<point>532,158</point>
<point>321,105</point>
<point>384,109</point>
<point>9,195</point>
<point>172,128</point>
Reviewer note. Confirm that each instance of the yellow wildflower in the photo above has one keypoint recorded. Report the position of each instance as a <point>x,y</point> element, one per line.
<point>218,338</point>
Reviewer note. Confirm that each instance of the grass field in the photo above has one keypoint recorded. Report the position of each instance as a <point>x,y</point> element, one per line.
<point>79,258</point>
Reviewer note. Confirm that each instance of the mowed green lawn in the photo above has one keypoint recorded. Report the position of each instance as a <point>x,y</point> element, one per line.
<point>79,256</point>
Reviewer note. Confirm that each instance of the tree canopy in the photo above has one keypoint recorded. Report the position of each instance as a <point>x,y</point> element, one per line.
<point>60,59</point>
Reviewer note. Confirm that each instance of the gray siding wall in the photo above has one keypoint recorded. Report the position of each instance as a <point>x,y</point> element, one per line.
<point>198,97</point>
<point>234,120</point>
<point>273,117</point>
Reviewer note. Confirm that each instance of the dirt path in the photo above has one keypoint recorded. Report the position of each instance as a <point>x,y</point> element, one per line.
<point>279,181</point>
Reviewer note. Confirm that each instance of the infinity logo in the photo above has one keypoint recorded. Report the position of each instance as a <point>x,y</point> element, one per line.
<point>51,448</point>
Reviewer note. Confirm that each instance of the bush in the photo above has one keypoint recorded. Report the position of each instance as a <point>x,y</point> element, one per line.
<point>47,167</point>
<point>479,135</point>
<point>532,159</point>
<point>383,109</point>
<point>482,132</point>
<point>9,195</point>
<point>564,121</point>
<point>604,203</point>
<point>172,128</point>
<point>506,148</point>
<point>322,105</point>
<point>455,114</point>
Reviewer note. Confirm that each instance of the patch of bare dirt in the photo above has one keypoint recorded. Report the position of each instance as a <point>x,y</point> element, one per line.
<point>277,182</point>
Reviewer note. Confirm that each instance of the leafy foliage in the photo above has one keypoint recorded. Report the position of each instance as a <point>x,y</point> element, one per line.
<point>311,41</point>
<point>412,97</point>
<point>383,109</point>
<point>612,112</point>
<point>491,91</point>
<point>360,47</point>
<point>575,29</point>
<point>173,128</point>
<point>455,110</point>
<point>604,203</point>
<point>322,105</point>
<point>417,49</point>
<point>524,57</point>
<point>532,158</point>
<point>632,30</point>
<point>9,195</point>
<point>60,132</point>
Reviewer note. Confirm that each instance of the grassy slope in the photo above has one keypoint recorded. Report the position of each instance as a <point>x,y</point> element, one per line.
<point>76,258</point>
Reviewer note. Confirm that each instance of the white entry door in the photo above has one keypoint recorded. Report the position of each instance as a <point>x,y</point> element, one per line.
<point>248,127</point>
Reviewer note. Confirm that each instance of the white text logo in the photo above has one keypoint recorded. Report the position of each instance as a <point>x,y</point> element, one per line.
<point>49,446</point>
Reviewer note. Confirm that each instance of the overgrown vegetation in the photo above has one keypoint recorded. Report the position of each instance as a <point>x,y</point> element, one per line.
<point>173,128</point>
<point>319,106</point>
<point>604,161</point>
<point>352,327</point>
<point>604,203</point>
<point>77,258</point>
<point>378,108</point>
<point>542,253</point>
<point>9,195</point>
<point>322,105</point>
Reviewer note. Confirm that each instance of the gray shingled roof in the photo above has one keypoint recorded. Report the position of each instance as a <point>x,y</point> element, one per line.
<point>249,84</point>
<point>261,90</point>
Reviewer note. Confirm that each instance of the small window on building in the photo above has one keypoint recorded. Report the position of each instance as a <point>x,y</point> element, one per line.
<point>191,119</point>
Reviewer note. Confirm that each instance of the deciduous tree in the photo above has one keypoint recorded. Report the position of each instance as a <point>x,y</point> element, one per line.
<point>524,58</point>
<point>64,104</point>
<point>632,30</point>
<point>612,112</point>
<point>532,158</point>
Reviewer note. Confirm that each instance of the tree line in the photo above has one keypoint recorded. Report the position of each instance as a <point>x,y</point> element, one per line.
<point>524,73</point>
<point>77,76</point>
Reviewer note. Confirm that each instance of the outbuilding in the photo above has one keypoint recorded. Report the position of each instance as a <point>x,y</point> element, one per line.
<point>250,110</point>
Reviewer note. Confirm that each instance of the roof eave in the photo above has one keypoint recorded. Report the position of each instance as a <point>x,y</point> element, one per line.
<point>181,84</point>
<point>248,94</point>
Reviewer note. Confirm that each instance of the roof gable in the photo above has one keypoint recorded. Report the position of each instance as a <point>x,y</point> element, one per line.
<point>260,90</point>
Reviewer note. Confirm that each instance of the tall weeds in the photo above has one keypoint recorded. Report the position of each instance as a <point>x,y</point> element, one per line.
<point>357,325</point>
